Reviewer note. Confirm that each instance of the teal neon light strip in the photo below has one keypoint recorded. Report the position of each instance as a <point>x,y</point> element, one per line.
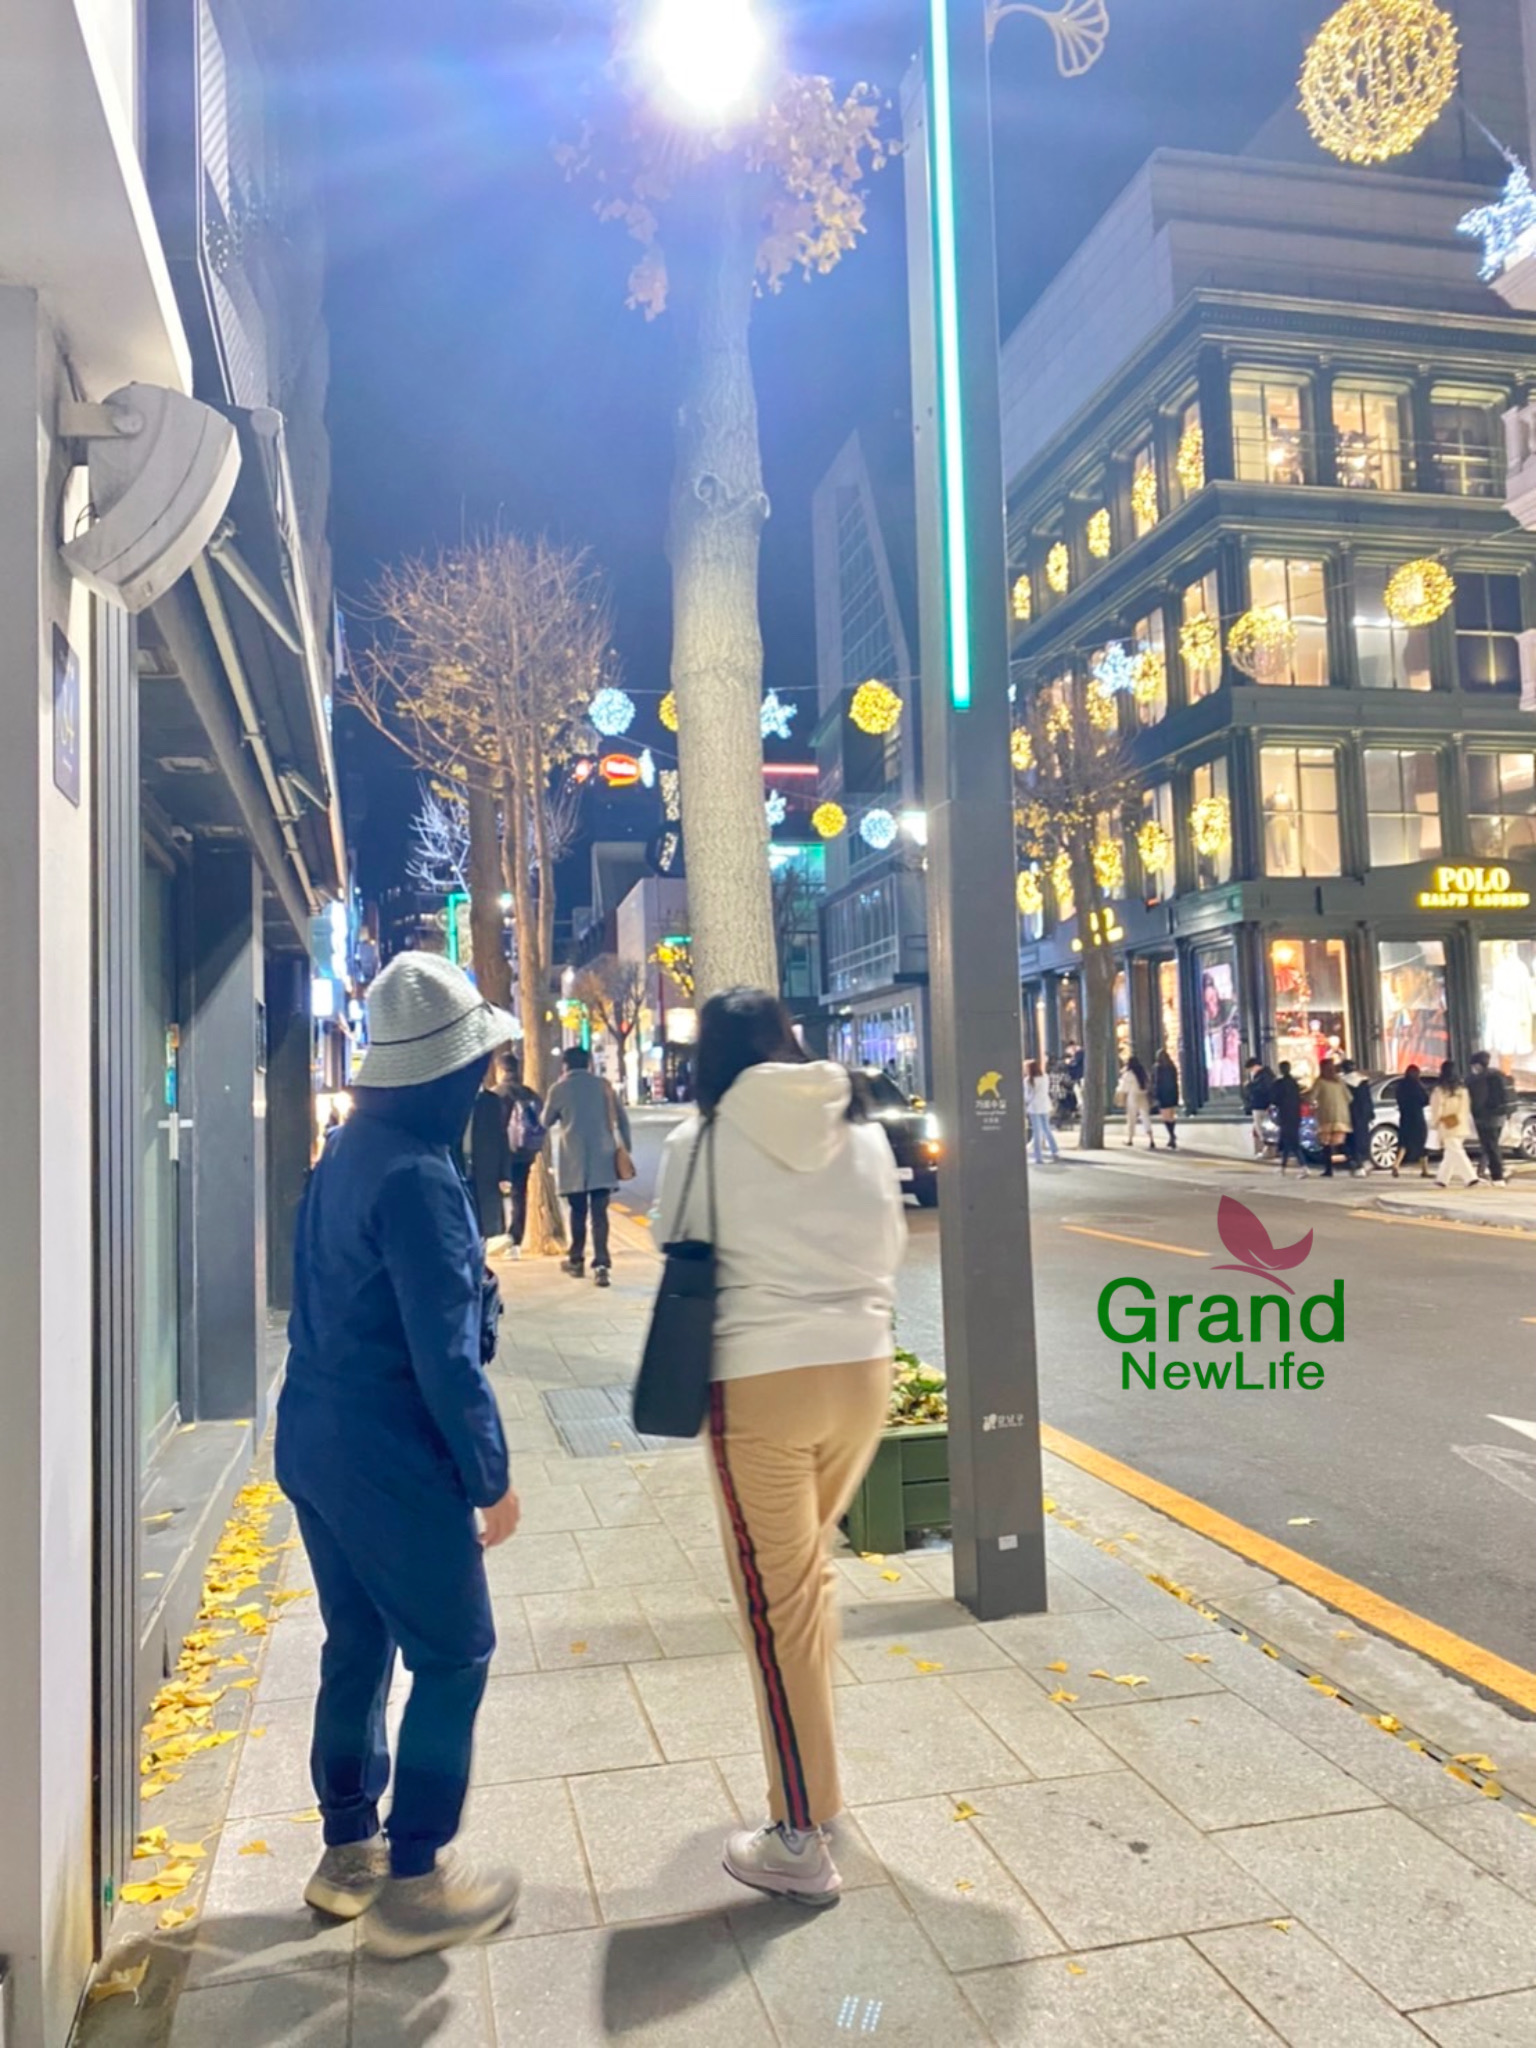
<point>951,409</point>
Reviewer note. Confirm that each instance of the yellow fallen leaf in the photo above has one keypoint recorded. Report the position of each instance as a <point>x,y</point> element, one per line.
<point>1415,1745</point>
<point>1196,1657</point>
<point>151,1842</point>
<point>898,1650</point>
<point>578,1649</point>
<point>282,1598</point>
<point>1387,1722</point>
<point>1490,1789</point>
<point>152,1890</point>
<point>1281,1926</point>
<point>964,1884</point>
<point>234,1662</point>
<point>871,1557</point>
<point>1129,1536</point>
<point>120,1984</point>
<point>153,1787</point>
<point>1529,1819</point>
<point>1060,1665</point>
<point>890,1577</point>
<point>241,1684</point>
<point>187,1852</point>
<point>1321,1685</point>
<point>925,1664</point>
<point>1477,1760</point>
<point>1172,1586</point>
<point>1344,1635</point>
<point>1076,1970</point>
<point>1047,1503</point>
<point>1063,1698</point>
<point>1131,1679</point>
<point>150,1577</point>
<point>311,1813</point>
<point>176,1916</point>
<point>963,1810</point>
<point>1461,1776</point>
<point>256,1848</point>
<point>257,1733</point>
<point>1269,1649</point>
<point>1098,1674</point>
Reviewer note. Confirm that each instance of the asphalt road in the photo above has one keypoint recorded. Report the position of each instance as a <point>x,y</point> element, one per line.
<point>1412,1488</point>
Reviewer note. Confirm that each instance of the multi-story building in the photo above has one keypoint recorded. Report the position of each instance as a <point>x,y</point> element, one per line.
<point>874,921</point>
<point>1270,386</point>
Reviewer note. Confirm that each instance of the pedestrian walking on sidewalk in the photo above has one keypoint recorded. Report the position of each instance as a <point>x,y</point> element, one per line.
<point>1258,1100</point>
<point>1362,1114</point>
<point>809,1232</point>
<point>1165,1093</point>
<point>1488,1093</point>
<point>1450,1111</point>
<point>390,1446</point>
<point>1412,1123</point>
<point>1285,1098</point>
<point>1134,1090</point>
<point>1037,1106</point>
<point>1330,1101</point>
<point>525,1144</point>
<point>593,1157</point>
<point>490,1158</point>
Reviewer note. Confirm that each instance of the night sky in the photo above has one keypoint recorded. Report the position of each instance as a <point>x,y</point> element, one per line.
<point>484,364</point>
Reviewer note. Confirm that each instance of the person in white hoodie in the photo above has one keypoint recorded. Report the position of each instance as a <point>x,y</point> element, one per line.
<point>809,1230</point>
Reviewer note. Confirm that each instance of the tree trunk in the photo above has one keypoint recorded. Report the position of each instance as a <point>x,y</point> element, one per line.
<point>1098,1006</point>
<point>714,538</point>
<point>493,970</point>
<point>545,1222</point>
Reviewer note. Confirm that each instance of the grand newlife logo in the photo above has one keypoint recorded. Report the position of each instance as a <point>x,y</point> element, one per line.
<point>1210,1344</point>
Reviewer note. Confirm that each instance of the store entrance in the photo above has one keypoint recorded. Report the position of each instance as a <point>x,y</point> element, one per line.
<point>161,1138</point>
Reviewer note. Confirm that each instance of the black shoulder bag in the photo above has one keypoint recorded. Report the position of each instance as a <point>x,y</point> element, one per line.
<point>671,1395</point>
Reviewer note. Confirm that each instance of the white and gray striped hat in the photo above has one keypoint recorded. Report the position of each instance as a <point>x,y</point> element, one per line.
<point>426,1018</point>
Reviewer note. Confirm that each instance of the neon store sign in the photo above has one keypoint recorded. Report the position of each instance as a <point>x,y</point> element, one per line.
<point>1471,888</point>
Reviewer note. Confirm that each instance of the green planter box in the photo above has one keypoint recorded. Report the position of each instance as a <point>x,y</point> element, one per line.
<point>905,1490</point>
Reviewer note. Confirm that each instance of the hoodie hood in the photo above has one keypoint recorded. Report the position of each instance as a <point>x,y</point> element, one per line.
<point>797,1114</point>
<point>437,1112</point>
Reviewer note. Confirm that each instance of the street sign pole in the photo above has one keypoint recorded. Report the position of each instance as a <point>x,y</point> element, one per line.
<point>989,1329</point>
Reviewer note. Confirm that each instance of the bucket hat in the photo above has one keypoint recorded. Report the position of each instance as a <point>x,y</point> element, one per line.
<point>426,1019</point>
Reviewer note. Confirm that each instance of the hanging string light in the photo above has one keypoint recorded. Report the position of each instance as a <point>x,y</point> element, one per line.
<point>1021,750</point>
<point>671,795</point>
<point>1419,593</point>
<point>1058,568</point>
<point>1023,600</point>
<point>1376,77</point>
<point>667,711</point>
<point>878,828</point>
<point>1150,678</point>
<point>777,716</point>
<point>1261,644</point>
<point>1144,499</point>
<point>1109,865</point>
<point>829,821</point>
<point>1189,463</point>
<point>1154,843</point>
<point>1114,666</point>
<point>876,708</point>
<point>775,807</point>
<point>1210,826</point>
<point>612,712</point>
<point>1031,897</point>
<point>1507,228</point>
<point>1100,534</point>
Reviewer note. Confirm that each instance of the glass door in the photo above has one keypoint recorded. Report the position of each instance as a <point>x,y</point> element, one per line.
<point>160,1146</point>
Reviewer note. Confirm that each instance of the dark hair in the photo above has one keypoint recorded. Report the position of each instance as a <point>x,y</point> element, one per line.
<point>577,1059</point>
<point>1449,1078</point>
<point>1032,1069</point>
<point>1285,1067</point>
<point>1410,1073</point>
<point>740,1028</point>
<point>1254,1063</point>
<point>1482,1059</point>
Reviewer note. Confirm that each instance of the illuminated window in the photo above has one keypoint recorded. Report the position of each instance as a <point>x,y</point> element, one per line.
<point>1297,589</point>
<point>1300,790</point>
<point>1488,622</point>
<point>1415,1017</point>
<point>1268,429</point>
<point>1468,441</point>
<point>1210,824</point>
<point>1188,454</point>
<point>1155,842</point>
<point>1501,805</point>
<point>1146,507</point>
<point>1309,981</point>
<point>1391,657</point>
<point>1402,802</point>
<point>1368,438</point>
<point>1200,637</point>
<point>1149,684</point>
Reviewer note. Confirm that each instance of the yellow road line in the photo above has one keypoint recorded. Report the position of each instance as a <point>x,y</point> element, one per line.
<point>1147,1244</point>
<point>1468,1660</point>
<point>1445,1223</point>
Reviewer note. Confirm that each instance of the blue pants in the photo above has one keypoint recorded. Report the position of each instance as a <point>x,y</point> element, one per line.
<point>388,1577</point>
<point>1044,1137</point>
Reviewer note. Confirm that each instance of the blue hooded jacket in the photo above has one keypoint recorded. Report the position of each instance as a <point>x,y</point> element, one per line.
<point>385,1352</point>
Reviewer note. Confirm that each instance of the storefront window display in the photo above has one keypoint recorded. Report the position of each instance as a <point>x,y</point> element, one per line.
<point>1301,810</point>
<point>1122,1005</point>
<point>1402,803</point>
<point>1415,1023</point>
<point>1298,590</point>
<point>1169,1013</point>
<point>1220,1017</point>
<point>1200,637</point>
<point>1210,824</point>
<point>1310,983</point>
<point>1506,972</point>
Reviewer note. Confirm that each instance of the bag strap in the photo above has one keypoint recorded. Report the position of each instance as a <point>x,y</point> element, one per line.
<point>706,1133</point>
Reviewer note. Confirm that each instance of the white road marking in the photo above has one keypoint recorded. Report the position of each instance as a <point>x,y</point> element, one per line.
<point>1513,1422</point>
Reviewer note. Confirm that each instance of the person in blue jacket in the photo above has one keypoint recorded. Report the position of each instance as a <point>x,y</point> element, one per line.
<point>390,1447</point>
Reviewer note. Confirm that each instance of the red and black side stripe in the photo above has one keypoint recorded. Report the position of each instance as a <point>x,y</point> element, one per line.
<point>791,1770</point>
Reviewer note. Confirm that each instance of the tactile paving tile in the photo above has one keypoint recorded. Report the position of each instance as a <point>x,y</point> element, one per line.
<point>593,1422</point>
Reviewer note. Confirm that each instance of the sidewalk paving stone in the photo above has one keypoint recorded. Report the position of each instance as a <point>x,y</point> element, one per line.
<point>631,1557</point>
<point>553,1724</point>
<point>1507,2022</point>
<point>653,1840</point>
<point>514,1641</point>
<point>886,1640</point>
<point>699,1706</point>
<point>690,1621</point>
<point>533,1826</point>
<point>444,2000</point>
<point>1153,1994</point>
<point>308,2009</point>
<point>908,1741</point>
<point>1491,1832</point>
<point>746,1780</point>
<point>575,1630</point>
<point>554,1510</point>
<point>537,1564</point>
<point>1304,1991</point>
<point>969,1906</point>
<point>678,1984</point>
<point>1107,1641</point>
<point>1049,1740</point>
<point>256,1920</point>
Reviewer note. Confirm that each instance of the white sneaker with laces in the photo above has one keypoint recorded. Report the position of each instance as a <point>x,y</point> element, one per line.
<point>791,1866</point>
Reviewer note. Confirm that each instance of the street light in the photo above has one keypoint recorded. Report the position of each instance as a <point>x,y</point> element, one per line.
<point>707,56</point>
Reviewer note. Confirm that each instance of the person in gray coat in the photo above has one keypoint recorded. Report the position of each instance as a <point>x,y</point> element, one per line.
<point>593,1124</point>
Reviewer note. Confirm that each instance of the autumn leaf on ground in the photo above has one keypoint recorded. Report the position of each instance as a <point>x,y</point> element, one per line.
<point>890,1577</point>
<point>1269,1649</point>
<point>1063,1698</point>
<point>256,1848</point>
<point>1455,1771</point>
<point>1061,1664</point>
<point>311,1813</point>
<point>1129,1536</point>
<point>1388,1723</point>
<point>1076,1970</point>
<point>187,1852</point>
<point>871,1557</point>
<point>120,1984</point>
<point>1477,1760</point>
<point>963,1811</point>
<point>282,1598</point>
<point>1345,1635</point>
<point>578,1649</point>
<point>1047,1503</point>
<point>1196,1657</point>
<point>1321,1685</point>
<point>964,1884</point>
<point>1098,1674</point>
<point>1132,1679</point>
<point>176,1916</point>
<point>926,1664</point>
<point>1529,1819</point>
<point>151,1842</point>
<point>1281,1926</point>
<point>1490,1790</point>
<point>257,1733</point>
<point>1171,1586</point>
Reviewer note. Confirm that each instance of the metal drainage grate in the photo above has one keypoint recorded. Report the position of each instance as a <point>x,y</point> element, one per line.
<point>593,1422</point>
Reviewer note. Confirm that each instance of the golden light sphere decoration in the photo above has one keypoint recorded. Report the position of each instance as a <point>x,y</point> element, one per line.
<point>1058,568</point>
<point>1189,463</point>
<point>1200,642</point>
<point>1100,534</point>
<point>1261,644</point>
<point>1154,843</point>
<point>1419,593</point>
<point>1210,825</point>
<point>1144,500</point>
<point>875,709</point>
<point>1021,751</point>
<point>1109,865</point>
<point>829,821</point>
<point>1149,679</point>
<point>667,711</point>
<point>1100,705</point>
<point>1376,77</point>
<point>1023,600</point>
<point>1031,897</point>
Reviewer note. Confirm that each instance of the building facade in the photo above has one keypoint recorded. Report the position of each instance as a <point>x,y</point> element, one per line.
<point>171,861</point>
<point>874,921</point>
<point>1271,388</point>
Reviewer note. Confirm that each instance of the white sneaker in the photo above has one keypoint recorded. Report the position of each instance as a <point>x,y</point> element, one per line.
<point>514,1251</point>
<point>348,1879</point>
<point>770,1861</point>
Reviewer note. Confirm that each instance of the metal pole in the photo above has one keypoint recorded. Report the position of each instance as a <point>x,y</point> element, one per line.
<point>989,1331</point>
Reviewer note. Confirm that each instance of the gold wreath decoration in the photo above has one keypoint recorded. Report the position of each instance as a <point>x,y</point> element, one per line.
<point>1377,76</point>
<point>1210,825</point>
<point>875,709</point>
<point>1261,643</point>
<point>1109,865</point>
<point>1021,750</point>
<point>1058,568</point>
<point>1420,592</point>
<point>1023,600</point>
<point>1144,499</point>
<point>667,711</point>
<point>1189,463</point>
<point>1100,534</point>
<point>1154,843</point>
<point>1149,678</point>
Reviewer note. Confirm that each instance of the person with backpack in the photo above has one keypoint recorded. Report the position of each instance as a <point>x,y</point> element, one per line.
<point>1488,1092</point>
<point>1258,1100</point>
<point>525,1142</point>
<point>594,1157</point>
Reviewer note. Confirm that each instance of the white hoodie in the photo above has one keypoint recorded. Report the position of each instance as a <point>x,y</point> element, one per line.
<point>809,1225</point>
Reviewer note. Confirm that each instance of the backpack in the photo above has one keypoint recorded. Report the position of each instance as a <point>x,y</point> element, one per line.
<point>525,1128</point>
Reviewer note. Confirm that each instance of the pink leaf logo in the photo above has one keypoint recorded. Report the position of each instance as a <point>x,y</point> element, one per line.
<point>1248,1241</point>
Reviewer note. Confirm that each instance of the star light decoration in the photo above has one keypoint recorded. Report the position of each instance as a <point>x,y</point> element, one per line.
<point>777,716</point>
<point>1377,76</point>
<point>878,829</point>
<point>876,709</point>
<point>612,712</point>
<point>1114,666</point>
<point>1507,228</point>
<point>829,821</point>
<point>775,807</point>
<point>1419,593</point>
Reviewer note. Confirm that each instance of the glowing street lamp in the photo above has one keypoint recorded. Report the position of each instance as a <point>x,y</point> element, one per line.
<point>707,55</point>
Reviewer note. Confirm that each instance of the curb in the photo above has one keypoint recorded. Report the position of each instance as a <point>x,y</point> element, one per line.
<point>1501,1223</point>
